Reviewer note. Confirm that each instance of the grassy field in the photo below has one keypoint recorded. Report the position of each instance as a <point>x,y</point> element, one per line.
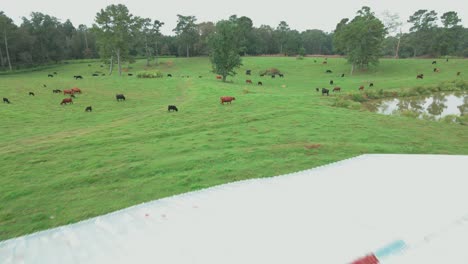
<point>60,164</point>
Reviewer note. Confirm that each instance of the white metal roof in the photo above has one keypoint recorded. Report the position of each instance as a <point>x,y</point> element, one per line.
<point>401,208</point>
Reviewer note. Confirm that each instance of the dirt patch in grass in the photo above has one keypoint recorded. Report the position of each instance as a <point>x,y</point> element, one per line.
<point>312,146</point>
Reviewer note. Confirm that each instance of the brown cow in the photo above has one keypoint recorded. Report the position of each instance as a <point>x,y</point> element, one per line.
<point>361,87</point>
<point>219,77</point>
<point>337,89</point>
<point>248,81</point>
<point>227,99</point>
<point>324,62</point>
<point>68,92</point>
<point>420,76</point>
<point>76,90</point>
<point>66,101</point>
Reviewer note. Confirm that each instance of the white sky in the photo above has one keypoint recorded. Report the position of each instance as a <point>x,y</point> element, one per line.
<point>299,14</point>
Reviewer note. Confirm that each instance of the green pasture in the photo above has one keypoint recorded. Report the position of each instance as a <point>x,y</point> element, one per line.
<point>60,164</point>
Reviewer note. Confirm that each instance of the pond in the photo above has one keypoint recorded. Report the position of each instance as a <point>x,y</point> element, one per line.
<point>436,105</point>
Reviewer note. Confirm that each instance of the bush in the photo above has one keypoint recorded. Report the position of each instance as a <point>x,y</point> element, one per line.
<point>155,74</point>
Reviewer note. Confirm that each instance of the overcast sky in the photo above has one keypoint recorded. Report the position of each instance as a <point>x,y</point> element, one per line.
<point>299,14</point>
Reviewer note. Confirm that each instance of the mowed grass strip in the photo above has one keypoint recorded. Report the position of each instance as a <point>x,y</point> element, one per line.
<point>60,164</point>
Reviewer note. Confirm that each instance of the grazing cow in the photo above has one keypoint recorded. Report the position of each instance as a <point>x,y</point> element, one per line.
<point>77,77</point>
<point>44,85</point>
<point>72,96</point>
<point>130,74</point>
<point>56,91</point>
<point>219,77</point>
<point>227,99</point>
<point>331,82</point>
<point>55,73</point>
<point>119,97</point>
<point>248,81</point>
<point>68,91</point>
<point>50,75</point>
<point>361,87</point>
<point>88,109</point>
<point>371,84</point>
<point>325,91</point>
<point>76,90</point>
<point>169,75</point>
<point>281,75</point>
<point>328,71</point>
<point>172,108</point>
<point>259,83</point>
<point>420,76</point>
<point>31,93</point>
<point>458,73</point>
<point>342,75</point>
<point>317,89</point>
<point>247,72</point>
<point>5,100</point>
<point>66,101</point>
<point>262,74</point>
<point>436,70</point>
<point>273,76</point>
<point>434,62</point>
<point>95,74</point>
<point>337,89</point>
<point>324,62</point>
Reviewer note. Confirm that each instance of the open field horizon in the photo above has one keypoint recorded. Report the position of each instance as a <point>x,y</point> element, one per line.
<point>61,165</point>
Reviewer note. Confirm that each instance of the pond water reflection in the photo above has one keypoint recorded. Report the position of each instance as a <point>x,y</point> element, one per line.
<point>436,105</point>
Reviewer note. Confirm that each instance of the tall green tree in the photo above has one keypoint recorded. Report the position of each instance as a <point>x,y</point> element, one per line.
<point>282,31</point>
<point>361,39</point>
<point>114,28</point>
<point>424,29</point>
<point>225,49</point>
<point>6,27</point>
<point>186,30</point>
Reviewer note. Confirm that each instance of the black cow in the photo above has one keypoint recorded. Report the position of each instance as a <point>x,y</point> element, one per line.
<point>44,85</point>
<point>317,89</point>
<point>371,84</point>
<point>72,96</point>
<point>262,74</point>
<point>57,91</point>
<point>172,108</point>
<point>169,75</point>
<point>259,83</point>
<point>95,74</point>
<point>130,74</point>
<point>5,100</point>
<point>331,82</point>
<point>31,93</point>
<point>434,62</point>
<point>273,76</point>
<point>77,77</point>
<point>420,76</point>
<point>119,97</point>
<point>325,91</point>
<point>281,75</point>
<point>458,73</point>
<point>328,71</point>
<point>50,75</point>
<point>88,109</point>
<point>342,75</point>
<point>248,72</point>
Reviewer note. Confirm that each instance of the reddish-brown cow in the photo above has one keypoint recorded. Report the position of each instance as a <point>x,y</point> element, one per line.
<point>66,101</point>
<point>227,99</point>
<point>361,87</point>
<point>219,77</point>
<point>68,92</point>
<point>76,90</point>
<point>248,81</point>
<point>337,89</point>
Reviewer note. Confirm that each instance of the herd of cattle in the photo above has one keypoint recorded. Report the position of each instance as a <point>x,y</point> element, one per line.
<point>224,99</point>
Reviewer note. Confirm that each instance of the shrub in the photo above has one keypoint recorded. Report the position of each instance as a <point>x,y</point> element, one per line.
<point>154,74</point>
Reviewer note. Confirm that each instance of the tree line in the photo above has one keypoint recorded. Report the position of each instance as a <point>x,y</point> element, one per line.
<point>118,36</point>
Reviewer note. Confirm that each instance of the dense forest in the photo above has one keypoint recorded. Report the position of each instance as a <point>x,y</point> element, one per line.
<point>117,35</point>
